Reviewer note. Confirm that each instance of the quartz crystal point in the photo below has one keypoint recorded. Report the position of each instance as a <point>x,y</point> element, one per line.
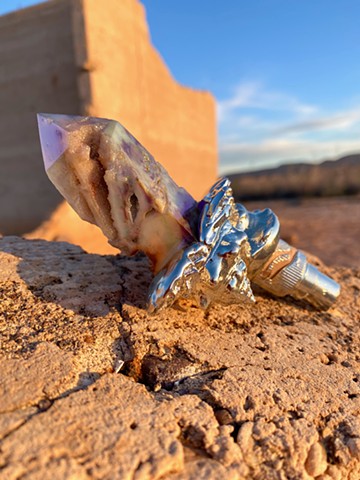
<point>111,180</point>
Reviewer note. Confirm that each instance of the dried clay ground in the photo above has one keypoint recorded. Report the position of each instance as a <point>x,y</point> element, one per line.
<point>91,387</point>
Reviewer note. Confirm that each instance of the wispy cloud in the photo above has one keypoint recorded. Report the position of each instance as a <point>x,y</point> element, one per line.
<point>260,127</point>
<point>339,121</point>
<point>253,95</point>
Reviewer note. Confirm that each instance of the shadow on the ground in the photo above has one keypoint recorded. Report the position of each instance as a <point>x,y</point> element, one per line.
<point>88,284</point>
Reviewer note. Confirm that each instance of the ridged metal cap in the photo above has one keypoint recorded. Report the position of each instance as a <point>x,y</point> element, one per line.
<point>288,272</point>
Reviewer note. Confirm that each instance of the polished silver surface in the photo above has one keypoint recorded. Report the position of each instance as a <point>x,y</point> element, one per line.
<point>235,248</point>
<point>214,269</point>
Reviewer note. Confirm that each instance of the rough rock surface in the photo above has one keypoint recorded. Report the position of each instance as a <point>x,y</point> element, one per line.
<point>91,387</point>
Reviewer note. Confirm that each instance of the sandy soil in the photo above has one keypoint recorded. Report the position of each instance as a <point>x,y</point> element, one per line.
<point>326,227</point>
<point>92,387</point>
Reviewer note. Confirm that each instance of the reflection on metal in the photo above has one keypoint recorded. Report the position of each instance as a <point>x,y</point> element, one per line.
<point>211,251</point>
<point>235,248</point>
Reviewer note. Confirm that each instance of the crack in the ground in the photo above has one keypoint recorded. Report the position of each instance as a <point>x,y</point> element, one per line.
<point>169,373</point>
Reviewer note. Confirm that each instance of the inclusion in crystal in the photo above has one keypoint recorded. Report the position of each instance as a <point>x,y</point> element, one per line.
<point>112,181</point>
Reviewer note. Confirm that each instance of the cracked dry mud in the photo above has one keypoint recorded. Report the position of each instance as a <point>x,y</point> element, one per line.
<point>269,391</point>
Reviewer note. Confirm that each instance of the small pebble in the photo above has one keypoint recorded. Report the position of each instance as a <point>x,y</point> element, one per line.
<point>224,417</point>
<point>244,437</point>
<point>316,462</point>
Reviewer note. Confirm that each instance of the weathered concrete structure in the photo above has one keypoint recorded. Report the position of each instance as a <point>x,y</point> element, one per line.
<point>87,57</point>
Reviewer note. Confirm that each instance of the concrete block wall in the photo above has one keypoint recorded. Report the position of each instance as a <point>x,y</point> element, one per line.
<point>37,73</point>
<point>95,58</point>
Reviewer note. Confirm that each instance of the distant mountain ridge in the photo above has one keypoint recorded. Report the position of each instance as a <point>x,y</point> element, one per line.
<point>329,178</point>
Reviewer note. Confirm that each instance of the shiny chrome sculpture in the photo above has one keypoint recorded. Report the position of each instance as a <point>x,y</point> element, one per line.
<point>210,251</point>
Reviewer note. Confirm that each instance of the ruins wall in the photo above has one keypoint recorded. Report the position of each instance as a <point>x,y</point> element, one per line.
<point>37,73</point>
<point>77,57</point>
<point>130,82</point>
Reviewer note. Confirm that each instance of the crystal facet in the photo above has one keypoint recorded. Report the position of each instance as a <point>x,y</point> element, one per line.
<point>111,180</point>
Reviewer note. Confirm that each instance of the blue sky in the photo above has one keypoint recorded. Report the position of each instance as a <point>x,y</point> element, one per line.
<point>285,73</point>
